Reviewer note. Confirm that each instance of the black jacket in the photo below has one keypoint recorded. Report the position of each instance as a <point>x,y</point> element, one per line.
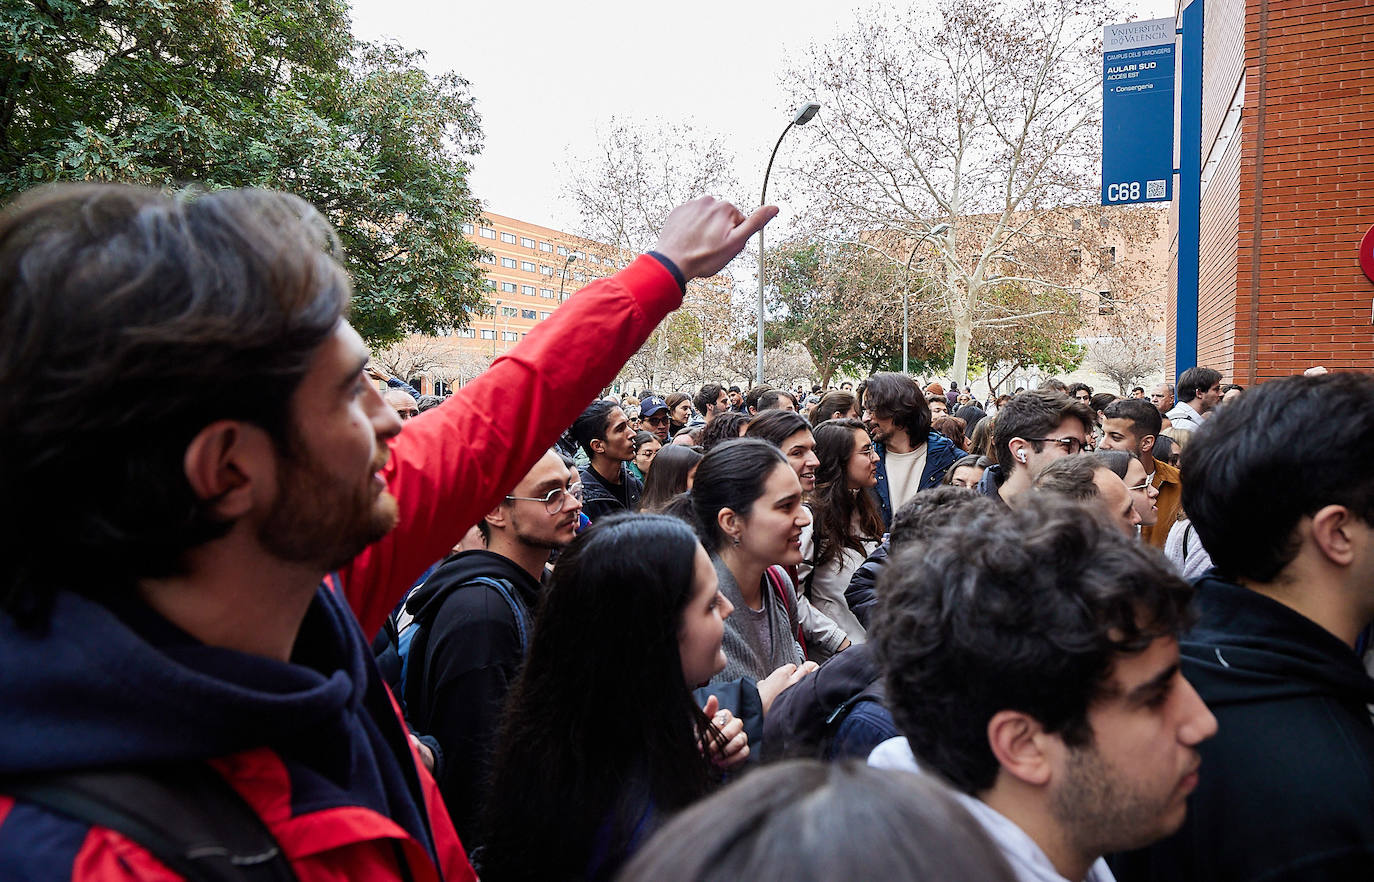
<point>601,498</point>
<point>991,483</point>
<point>462,664</point>
<point>805,718</point>
<point>1286,788</point>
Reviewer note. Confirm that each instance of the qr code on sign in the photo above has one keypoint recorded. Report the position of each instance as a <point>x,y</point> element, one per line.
<point>1154,189</point>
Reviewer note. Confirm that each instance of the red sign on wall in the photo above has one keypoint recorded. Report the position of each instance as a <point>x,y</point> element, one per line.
<point>1367,253</point>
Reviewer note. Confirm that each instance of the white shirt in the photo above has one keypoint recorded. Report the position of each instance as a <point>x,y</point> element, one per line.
<point>1028,861</point>
<point>1183,416</point>
<point>904,474</point>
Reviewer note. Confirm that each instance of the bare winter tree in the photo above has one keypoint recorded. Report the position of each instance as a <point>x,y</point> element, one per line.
<point>437,358</point>
<point>623,194</point>
<point>985,117</point>
<point>1127,351</point>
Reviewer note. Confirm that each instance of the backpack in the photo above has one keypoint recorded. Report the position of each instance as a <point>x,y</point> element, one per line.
<point>805,718</point>
<point>185,814</point>
<point>396,645</point>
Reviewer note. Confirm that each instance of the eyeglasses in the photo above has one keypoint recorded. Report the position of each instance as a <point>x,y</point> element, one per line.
<point>868,451</point>
<point>555,499</point>
<point>1142,486</point>
<point>657,420</point>
<point>1070,445</point>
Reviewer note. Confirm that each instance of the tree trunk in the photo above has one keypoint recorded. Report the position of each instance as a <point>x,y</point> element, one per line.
<point>963,336</point>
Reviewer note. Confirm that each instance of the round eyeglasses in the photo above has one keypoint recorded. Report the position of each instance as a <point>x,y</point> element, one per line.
<point>555,499</point>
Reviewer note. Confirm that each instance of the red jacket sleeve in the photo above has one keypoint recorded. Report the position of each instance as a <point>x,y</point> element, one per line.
<point>454,462</point>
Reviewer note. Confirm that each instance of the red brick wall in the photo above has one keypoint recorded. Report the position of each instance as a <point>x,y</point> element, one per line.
<point>1316,190</point>
<point>1217,293</point>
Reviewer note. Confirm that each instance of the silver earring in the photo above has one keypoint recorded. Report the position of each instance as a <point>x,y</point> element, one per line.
<point>736,539</point>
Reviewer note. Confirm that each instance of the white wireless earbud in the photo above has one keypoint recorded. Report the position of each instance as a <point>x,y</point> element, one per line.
<point>1021,455</point>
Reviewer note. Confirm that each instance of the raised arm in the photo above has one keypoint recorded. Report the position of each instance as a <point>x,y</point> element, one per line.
<point>453,463</point>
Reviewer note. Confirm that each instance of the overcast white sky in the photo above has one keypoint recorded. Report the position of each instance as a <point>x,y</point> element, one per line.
<point>546,74</point>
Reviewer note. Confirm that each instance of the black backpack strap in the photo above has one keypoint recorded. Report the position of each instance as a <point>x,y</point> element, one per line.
<point>185,814</point>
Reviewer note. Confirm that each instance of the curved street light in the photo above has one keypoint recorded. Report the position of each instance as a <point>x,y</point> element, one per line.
<point>564,275</point>
<point>933,231</point>
<point>804,115</point>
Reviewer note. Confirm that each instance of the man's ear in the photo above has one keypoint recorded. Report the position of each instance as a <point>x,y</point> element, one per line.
<point>1333,529</point>
<point>232,465</point>
<point>1021,746</point>
<point>1147,446</point>
<point>598,445</point>
<point>1019,448</point>
<point>496,517</point>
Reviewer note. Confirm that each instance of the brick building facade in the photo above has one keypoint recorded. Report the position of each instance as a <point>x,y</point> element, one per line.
<point>1287,187</point>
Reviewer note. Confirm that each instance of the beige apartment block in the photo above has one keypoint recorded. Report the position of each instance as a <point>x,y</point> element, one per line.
<point>530,269</point>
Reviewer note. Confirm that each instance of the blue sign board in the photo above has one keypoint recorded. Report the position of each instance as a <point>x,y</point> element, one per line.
<point>1138,112</point>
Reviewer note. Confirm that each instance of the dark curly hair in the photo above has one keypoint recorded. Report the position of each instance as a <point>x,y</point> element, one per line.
<point>1021,610</point>
<point>723,427</point>
<point>897,397</point>
<point>129,321</point>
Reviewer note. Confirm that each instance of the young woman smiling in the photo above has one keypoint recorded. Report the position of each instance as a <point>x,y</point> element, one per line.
<point>848,524</point>
<point>747,504</point>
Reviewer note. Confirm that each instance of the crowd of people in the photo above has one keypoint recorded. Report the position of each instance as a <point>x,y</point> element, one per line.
<point>270,613</point>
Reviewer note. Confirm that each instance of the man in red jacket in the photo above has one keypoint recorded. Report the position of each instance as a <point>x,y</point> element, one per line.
<point>191,443</point>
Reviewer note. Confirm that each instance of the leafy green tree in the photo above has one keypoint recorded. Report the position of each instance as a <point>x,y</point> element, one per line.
<point>251,93</point>
<point>844,304</point>
<point>1046,340</point>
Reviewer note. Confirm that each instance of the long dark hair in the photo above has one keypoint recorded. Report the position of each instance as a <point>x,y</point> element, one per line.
<point>565,764</point>
<point>834,504</point>
<point>731,476</point>
<point>668,477</point>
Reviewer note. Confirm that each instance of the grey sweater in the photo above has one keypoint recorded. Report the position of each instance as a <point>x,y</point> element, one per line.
<point>759,642</point>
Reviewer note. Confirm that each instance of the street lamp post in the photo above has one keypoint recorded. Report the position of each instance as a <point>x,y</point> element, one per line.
<point>933,231</point>
<point>804,115</point>
<point>494,311</point>
<point>564,280</point>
